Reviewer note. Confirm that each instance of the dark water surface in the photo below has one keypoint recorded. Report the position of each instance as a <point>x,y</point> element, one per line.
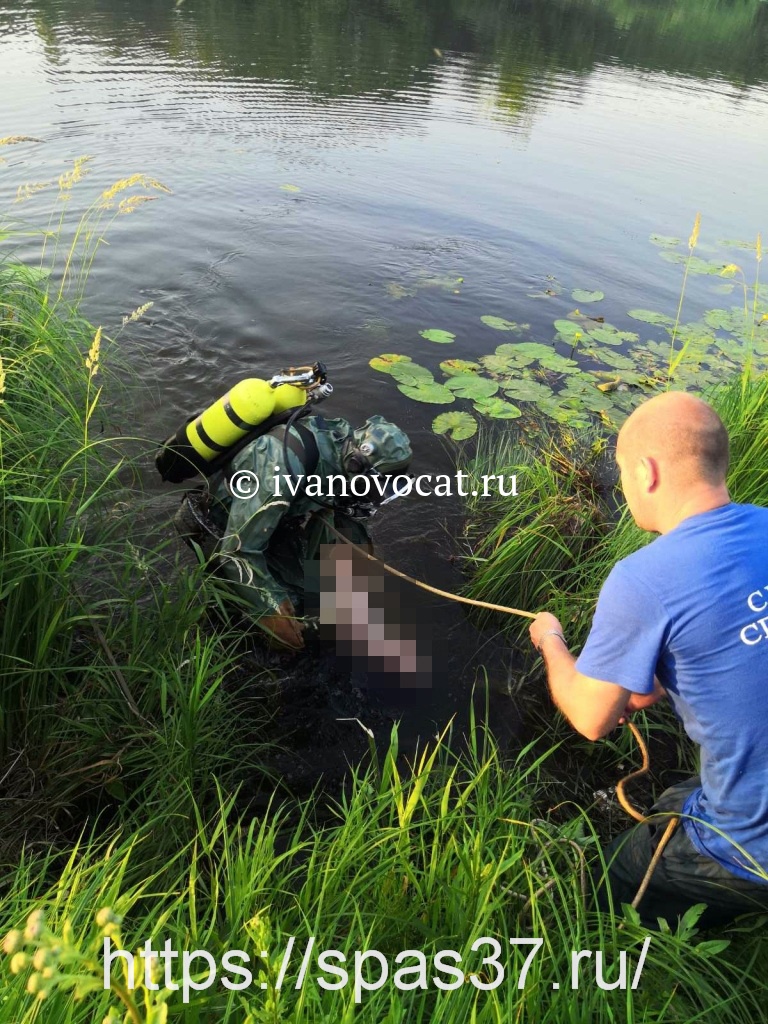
<point>444,158</point>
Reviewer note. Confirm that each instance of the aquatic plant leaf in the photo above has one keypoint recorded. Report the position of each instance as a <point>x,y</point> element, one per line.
<point>499,323</point>
<point>396,290</point>
<point>444,281</point>
<point>673,257</point>
<point>730,347</point>
<point>452,367</point>
<point>607,334</point>
<point>518,352</point>
<point>290,188</point>
<point>565,412</point>
<point>385,362</point>
<point>658,348</point>
<point>585,396</point>
<point>500,365</point>
<point>582,295</point>
<point>497,409</point>
<point>648,316</point>
<point>526,390</point>
<point>559,364</point>
<point>428,391</point>
<point>696,265</point>
<point>509,358</point>
<point>725,288</point>
<point>625,376</point>
<point>725,319</point>
<point>616,359</point>
<point>665,241</point>
<point>436,335</point>
<point>410,373</point>
<point>457,425</point>
<point>569,331</point>
<point>534,349</point>
<point>732,243</point>
<point>470,385</point>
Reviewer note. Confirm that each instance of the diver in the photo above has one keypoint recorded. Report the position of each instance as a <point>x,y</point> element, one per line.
<point>265,515</point>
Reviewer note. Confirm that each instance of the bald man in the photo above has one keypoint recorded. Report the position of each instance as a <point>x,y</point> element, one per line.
<point>684,618</point>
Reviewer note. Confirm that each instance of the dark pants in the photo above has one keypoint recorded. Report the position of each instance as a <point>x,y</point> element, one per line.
<point>682,877</point>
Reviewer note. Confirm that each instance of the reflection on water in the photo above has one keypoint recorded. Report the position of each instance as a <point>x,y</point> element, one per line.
<point>349,173</point>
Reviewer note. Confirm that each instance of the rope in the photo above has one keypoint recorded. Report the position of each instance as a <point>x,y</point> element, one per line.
<point>622,797</point>
<point>634,813</point>
<point>426,586</point>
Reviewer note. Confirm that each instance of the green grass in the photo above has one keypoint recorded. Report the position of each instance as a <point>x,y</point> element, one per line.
<point>433,859</point>
<point>111,684</point>
<point>553,546</point>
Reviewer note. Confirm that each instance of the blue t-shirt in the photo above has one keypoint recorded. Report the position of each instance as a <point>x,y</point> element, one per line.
<point>692,607</point>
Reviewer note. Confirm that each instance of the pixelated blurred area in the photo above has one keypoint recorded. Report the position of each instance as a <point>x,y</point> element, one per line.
<point>374,624</point>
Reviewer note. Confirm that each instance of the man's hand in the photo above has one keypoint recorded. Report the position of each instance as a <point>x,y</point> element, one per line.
<point>543,625</point>
<point>284,628</point>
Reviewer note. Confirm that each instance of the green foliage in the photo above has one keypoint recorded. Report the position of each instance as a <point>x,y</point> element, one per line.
<point>457,425</point>
<point>111,685</point>
<point>553,546</point>
<point>499,323</point>
<point>428,859</point>
<point>578,384</point>
<point>427,391</point>
<point>439,336</point>
<point>470,385</point>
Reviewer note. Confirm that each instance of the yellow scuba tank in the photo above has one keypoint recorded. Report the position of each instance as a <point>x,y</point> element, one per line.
<point>251,407</point>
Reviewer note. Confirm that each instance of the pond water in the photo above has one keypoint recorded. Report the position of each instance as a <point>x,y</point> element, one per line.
<point>348,173</point>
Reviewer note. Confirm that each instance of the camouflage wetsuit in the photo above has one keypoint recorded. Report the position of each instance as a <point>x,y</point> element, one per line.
<point>270,537</point>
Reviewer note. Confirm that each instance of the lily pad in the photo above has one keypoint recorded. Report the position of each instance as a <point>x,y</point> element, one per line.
<point>569,331</point>
<point>582,295</point>
<point>441,337</point>
<point>499,323</point>
<point>526,390</point>
<point>534,349</point>
<point>498,409</point>
<point>457,425</point>
<point>428,391</point>
<point>725,319</point>
<point>696,265</point>
<point>452,367</point>
<point>565,412</point>
<point>511,358</point>
<point>385,362</point>
<point>411,373</point>
<point>609,335</point>
<point>559,364</point>
<point>470,385</point>
<point>665,241</point>
<point>396,290</point>
<point>585,396</point>
<point>633,377</point>
<point>648,316</point>
<point>615,359</point>
<point>501,365</point>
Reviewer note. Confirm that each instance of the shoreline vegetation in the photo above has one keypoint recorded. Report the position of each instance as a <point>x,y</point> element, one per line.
<point>123,749</point>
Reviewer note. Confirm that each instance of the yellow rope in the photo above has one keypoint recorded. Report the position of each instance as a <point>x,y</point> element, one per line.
<point>426,586</point>
<point>634,813</point>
